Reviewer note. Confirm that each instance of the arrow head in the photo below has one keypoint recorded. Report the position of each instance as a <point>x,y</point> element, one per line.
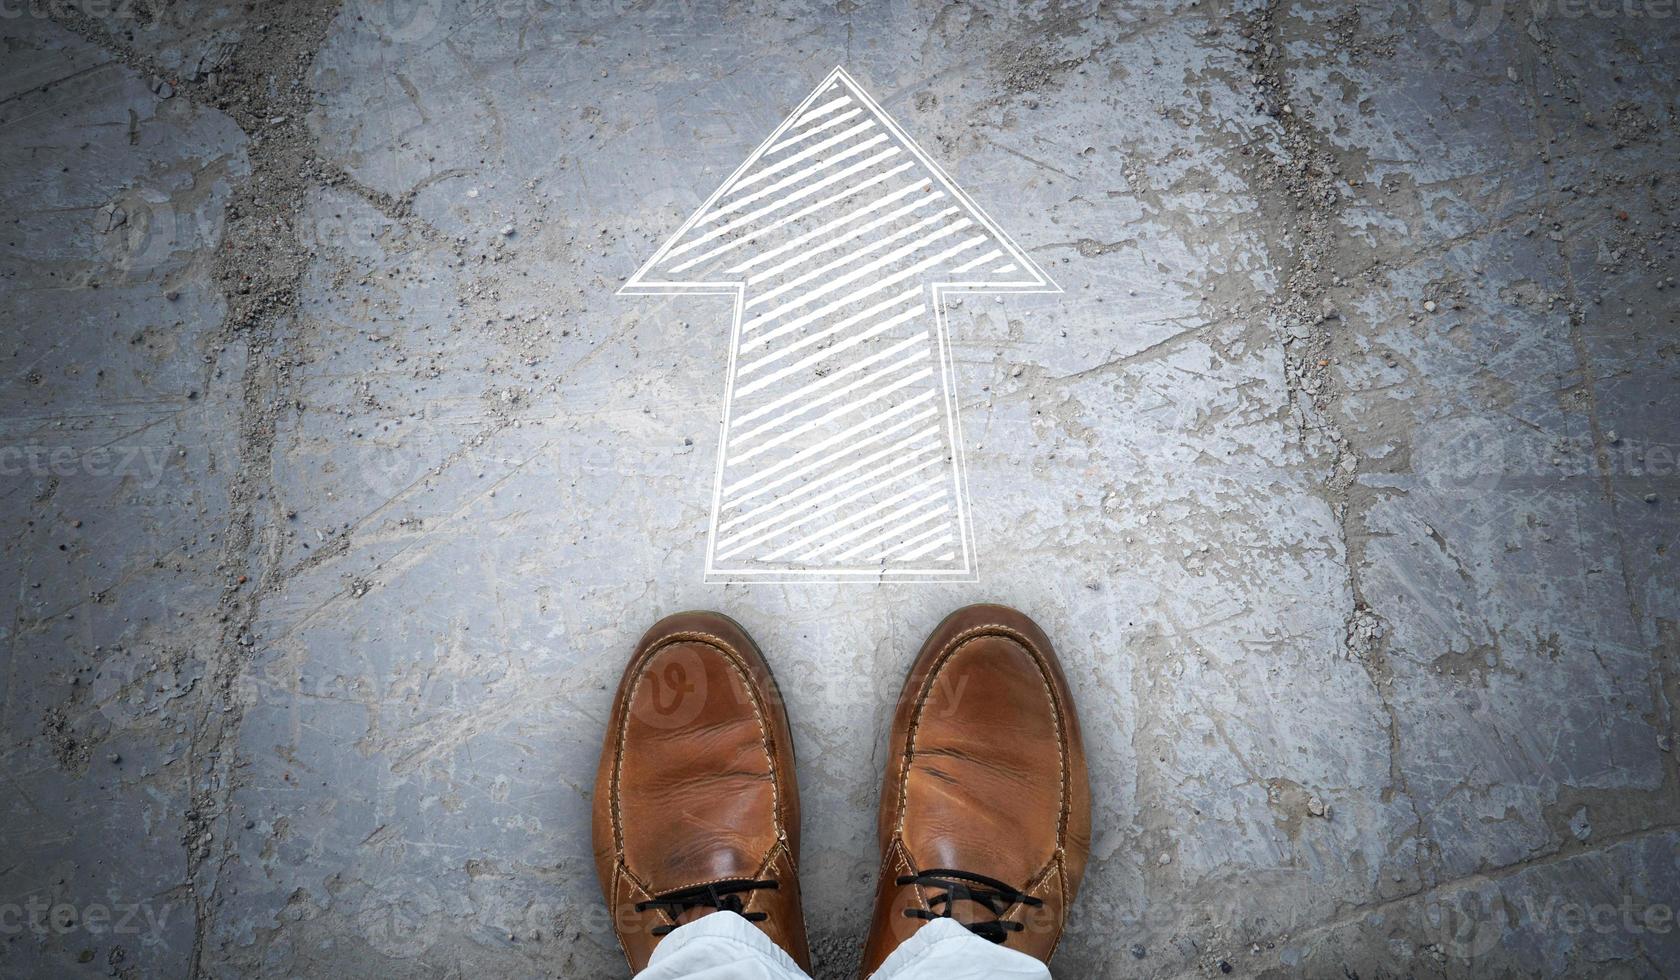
<point>838,178</point>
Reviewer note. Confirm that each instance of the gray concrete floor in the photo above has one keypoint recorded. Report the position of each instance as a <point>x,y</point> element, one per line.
<point>1342,473</point>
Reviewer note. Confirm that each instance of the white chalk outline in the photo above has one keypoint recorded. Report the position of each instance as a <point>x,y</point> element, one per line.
<point>1038,282</point>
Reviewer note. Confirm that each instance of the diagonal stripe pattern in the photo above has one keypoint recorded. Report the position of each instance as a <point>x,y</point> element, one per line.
<point>841,453</point>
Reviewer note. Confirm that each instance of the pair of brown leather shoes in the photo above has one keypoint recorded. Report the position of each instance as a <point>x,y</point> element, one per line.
<point>985,813</point>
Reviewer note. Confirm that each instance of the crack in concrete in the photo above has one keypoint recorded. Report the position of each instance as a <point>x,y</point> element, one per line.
<point>1302,187</point>
<point>259,269</point>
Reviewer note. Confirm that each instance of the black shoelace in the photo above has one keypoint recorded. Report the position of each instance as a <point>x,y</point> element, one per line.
<point>960,886</point>
<point>725,896</point>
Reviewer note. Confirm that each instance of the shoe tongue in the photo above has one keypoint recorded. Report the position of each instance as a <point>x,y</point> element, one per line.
<point>970,912</point>
<point>695,913</point>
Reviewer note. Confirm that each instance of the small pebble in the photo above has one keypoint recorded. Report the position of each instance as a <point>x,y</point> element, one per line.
<point>1429,306</point>
<point>1650,498</point>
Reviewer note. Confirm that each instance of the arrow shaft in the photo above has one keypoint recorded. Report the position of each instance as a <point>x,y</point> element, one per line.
<point>803,443</point>
<point>830,333</point>
<point>810,390</point>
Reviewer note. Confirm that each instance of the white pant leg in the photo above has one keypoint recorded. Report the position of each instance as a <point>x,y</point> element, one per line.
<point>724,946</point>
<point>944,950</point>
<point>720,946</point>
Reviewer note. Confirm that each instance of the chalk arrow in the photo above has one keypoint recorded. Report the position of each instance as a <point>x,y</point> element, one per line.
<point>841,450</point>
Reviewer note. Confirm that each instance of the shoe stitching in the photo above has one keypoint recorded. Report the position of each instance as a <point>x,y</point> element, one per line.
<point>1035,883</point>
<point>780,849</point>
<point>622,874</point>
<point>940,661</point>
<point>736,661</point>
<point>956,643</point>
<point>902,853</point>
<point>1061,924</point>
<point>897,857</point>
<point>793,873</point>
<point>618,903</point>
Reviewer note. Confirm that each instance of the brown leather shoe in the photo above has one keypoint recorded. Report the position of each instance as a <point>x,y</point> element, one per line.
<point>986,811</point>
<point>696,808</point>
